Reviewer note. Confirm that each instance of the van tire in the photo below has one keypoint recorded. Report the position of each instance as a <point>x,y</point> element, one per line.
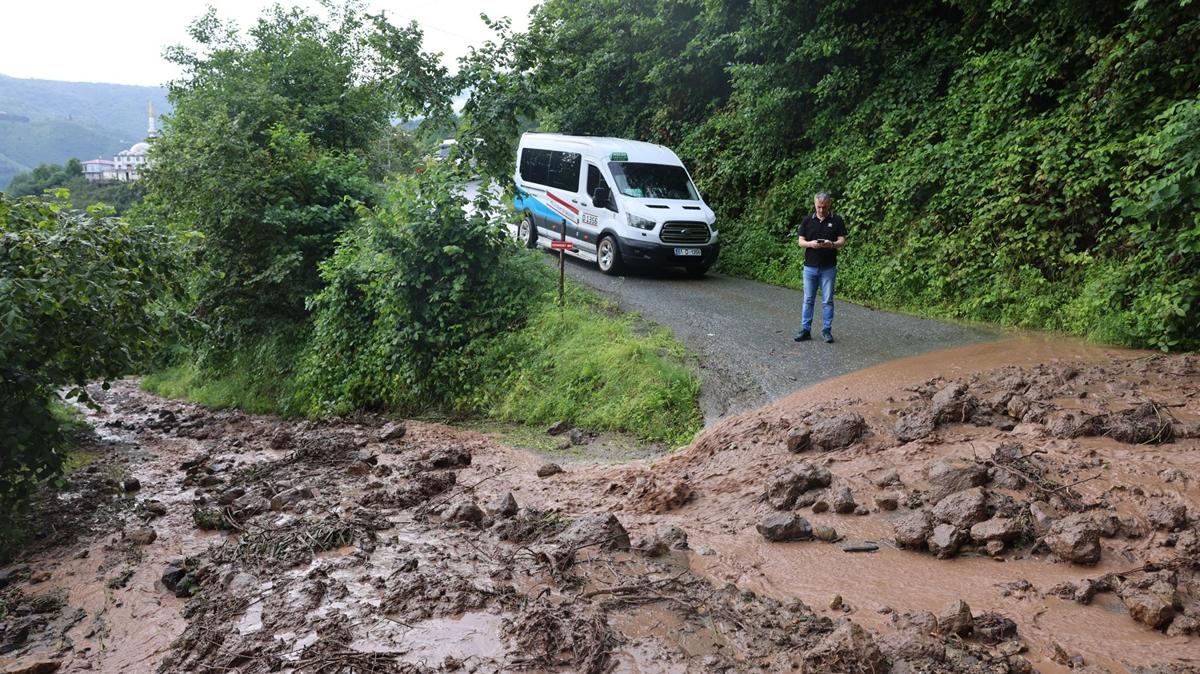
<point>527,232</point>
<point>608,255</point>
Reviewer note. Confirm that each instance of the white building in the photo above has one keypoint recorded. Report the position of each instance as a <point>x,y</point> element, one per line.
<point>127,165</point>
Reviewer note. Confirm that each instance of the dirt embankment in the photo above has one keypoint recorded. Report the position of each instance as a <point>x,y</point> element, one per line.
<point>1037,516</point>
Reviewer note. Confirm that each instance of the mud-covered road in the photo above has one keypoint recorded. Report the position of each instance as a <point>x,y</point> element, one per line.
<point>1005,507</point>
<point>742,331</point>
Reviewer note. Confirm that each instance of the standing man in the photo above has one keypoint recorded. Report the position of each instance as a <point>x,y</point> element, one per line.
<point>821,235</point>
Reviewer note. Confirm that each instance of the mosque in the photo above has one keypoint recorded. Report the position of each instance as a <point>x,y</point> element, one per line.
<point>127,165</point>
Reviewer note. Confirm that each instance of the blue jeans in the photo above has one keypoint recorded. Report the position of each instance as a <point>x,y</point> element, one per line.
<point>825,277</point>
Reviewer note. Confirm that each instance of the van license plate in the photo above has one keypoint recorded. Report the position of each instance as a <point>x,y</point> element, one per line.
<point>687,252</point>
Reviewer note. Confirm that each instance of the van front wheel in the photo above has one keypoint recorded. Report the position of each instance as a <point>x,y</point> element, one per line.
<point>608,256</point>
<point>526,232</point>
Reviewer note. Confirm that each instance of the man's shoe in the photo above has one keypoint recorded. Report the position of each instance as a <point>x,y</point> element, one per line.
<point>804,336</point>
<point>828,335</point>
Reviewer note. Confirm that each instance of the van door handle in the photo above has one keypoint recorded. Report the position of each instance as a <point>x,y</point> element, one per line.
<point>574,201</point>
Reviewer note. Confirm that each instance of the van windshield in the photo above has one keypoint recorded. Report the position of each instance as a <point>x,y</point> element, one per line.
<point>653,181</point>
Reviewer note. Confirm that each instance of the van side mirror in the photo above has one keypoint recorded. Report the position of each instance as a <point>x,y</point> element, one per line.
<point>601,198</point>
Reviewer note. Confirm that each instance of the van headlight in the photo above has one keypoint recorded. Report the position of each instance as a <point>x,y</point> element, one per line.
<point>640,222</point>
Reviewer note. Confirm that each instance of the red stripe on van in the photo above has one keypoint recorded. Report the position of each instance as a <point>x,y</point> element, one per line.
<point>565,205</point>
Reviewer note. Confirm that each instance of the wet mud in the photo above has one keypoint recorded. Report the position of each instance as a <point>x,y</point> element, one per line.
<point>1013,506</point>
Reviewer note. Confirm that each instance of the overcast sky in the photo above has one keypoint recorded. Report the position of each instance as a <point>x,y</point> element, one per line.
<point>124,39</point>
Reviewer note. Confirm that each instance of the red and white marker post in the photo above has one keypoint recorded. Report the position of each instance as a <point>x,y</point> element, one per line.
<point>562,246</point>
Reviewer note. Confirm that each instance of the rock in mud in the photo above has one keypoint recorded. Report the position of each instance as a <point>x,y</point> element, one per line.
<point>993,628</point>
<point>963,509</point>
<point>839,432</point>
<point>578,437</point>
<point>142,536</point>
<point>1184,625</point>
<point>1004,529</point>
<point>250,505</point>
<point>887,502</point>
<point>559,428</point>
<point>1168,516</point>
<point>173,574</point>
<point>230,495</point>
<point>888,479</point>
<point>848,643</point>
<point>820,505</point>
<point>1147,424</point>
<point>913,529</point>
<point>1152,608</point>
<point>780,527</point>
<point>1075,539</point>
<point>548,469</point>
<point>843,501</point>
<point>465,512</point>
<point>911,644</point>
<point>860,546</point>
<point>599,529</point>
<point>37,665</point>
<point>131,484</point>
<point>827,534</point>
<point>1044,516</point>
<point>445,457</point>
<point>392,431</point>
<point>950,475</point>
<point>503,506</point>
<point>945,540</point>
<point>799,439</point>
<point>154,508</point>
<point>956,619</point>
<point>914,425</point>
<point>789,483</point>
<point>953,404</point>
<point>674,537</point>
<point>285,499</point>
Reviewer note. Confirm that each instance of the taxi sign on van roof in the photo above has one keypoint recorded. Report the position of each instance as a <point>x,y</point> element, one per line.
<point>619,156</point>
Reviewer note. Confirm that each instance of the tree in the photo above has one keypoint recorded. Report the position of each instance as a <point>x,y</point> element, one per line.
<point>82,297</point>
<point>266,154</point>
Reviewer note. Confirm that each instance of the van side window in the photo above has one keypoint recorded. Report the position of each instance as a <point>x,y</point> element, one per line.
<point>596,179</point>
<point>551,168</point>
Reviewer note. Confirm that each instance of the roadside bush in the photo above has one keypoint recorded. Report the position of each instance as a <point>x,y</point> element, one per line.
<point>419,279</point>
<point>82,297</point>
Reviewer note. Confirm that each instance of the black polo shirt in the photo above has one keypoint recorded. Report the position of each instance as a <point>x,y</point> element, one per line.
<point>814,228</point>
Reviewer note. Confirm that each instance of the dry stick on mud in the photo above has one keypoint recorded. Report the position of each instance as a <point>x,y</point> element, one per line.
<point>1072,499</point>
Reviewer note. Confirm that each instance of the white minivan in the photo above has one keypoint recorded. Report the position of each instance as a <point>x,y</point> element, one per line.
<point>618,202</point>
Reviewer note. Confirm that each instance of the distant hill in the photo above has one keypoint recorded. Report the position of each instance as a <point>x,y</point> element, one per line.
<point>49,122</point>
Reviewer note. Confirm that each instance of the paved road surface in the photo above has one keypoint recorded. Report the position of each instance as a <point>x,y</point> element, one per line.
<point>743,331</point>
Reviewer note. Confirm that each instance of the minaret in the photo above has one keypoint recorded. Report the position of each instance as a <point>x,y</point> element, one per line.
<point>152,132</point>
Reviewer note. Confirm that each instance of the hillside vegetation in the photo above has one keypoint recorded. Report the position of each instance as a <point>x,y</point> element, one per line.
<point>49,122</point>
<point>1026,163</point>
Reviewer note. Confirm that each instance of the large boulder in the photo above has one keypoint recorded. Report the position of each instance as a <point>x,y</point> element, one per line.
<point>963,509</point>
<point>780,527</point>
<point>1075,539</point>
<point>1168,516</point>
<point>838,432</point>
<point>1152,608</point>
<point>912,529</point>
<point>603,530</point>
<point>788,484</point>
<point>949,475</point>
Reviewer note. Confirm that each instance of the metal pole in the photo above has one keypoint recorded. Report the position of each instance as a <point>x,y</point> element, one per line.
<point>562,266</point>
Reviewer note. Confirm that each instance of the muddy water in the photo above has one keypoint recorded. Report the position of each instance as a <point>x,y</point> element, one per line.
<point>131,628</point>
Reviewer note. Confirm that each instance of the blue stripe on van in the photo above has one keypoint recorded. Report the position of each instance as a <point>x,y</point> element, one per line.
<point>527,202</point>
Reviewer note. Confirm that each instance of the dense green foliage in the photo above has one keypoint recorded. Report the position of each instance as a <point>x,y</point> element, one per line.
<point>82,297</point>
<point>267,154</point>
<point>49,177</point>
<point>1029,163</point>
<point>408,288</point>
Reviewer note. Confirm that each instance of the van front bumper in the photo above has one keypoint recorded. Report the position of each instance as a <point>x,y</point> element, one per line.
<point>654,253</point>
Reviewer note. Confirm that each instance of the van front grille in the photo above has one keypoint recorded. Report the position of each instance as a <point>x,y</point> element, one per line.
<point>684,232</point>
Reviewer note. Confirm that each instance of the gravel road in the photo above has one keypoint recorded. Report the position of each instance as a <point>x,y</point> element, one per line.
<point>742,331</point>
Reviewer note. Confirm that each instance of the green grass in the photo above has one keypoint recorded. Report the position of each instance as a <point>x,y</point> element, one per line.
<point>587,364</point>
<point>595,368</point>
